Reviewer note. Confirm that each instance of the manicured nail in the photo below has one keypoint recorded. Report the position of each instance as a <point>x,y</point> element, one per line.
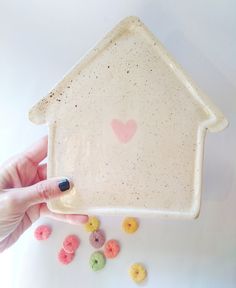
<point>64,185</point>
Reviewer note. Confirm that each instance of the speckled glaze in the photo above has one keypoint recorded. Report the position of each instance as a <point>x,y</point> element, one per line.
<point>128,126</point>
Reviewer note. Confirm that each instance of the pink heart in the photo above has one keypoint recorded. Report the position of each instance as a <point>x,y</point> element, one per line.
<point>124,131</point>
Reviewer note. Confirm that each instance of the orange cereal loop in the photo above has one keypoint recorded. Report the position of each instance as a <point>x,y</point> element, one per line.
<point>137,272</point>
<point>130,225</point>
<point>111,249</point>
<point>92,225</point>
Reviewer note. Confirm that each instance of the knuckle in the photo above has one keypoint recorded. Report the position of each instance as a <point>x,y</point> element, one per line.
<point>11,203</point>
<point>42,191</point>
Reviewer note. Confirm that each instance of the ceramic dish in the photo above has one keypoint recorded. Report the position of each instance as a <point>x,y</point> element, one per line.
<point>128,126</point>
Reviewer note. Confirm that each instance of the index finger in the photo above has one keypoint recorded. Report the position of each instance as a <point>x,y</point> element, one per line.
<point>38,151</point>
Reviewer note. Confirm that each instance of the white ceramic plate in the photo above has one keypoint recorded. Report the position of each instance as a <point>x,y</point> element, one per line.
<point>128,126</point>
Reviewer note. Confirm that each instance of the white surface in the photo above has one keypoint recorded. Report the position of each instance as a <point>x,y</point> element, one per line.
<point>40,41</point>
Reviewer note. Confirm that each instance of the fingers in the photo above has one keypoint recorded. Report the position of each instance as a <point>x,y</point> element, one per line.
<point>42,172</point>
<point>15,234</point>
<point>38,151</point>
<point>67,218</point>
<point>41,191</point>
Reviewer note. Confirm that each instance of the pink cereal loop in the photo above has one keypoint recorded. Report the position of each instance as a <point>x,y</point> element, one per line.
<point>64,257</point>
<point>112,248</point>
<point>42,232</point>
<point>71,243</point>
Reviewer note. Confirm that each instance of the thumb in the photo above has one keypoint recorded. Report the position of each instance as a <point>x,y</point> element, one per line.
<point>42,191</point>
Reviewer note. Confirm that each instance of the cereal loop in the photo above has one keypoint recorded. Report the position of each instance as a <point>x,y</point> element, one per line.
<point>137,272</point>
<point>130,225</point>
<point>71,243</point>
<point>42,232</point>
<point>97,239</point>
<point>112,248</point>
<point>64,257</point>
<point>97,261</point>
<point>92,224</point>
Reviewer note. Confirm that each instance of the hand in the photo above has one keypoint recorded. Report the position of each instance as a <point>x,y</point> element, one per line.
<point>24,191</point>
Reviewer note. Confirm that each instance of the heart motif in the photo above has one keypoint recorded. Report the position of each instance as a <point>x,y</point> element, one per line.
<point>124,131</point>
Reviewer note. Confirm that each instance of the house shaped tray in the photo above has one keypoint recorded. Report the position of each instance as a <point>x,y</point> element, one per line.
<point>128,125</point>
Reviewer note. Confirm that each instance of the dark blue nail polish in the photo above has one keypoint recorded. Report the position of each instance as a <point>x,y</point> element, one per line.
<point>64,185</point>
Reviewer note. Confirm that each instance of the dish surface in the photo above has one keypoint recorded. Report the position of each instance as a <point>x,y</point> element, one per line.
<point>128,126</point>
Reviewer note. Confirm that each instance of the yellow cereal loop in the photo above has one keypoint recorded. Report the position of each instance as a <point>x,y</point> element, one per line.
<point>137,272</point>
<point>130,225</point>
<point>92,225</point>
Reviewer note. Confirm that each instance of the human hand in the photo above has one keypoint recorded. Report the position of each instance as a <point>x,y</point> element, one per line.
<point>24,191</point>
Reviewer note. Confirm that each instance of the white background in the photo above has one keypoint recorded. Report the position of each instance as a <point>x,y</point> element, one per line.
<point>39,42</point>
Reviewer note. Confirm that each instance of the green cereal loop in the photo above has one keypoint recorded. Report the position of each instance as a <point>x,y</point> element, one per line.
<point>97,261</point>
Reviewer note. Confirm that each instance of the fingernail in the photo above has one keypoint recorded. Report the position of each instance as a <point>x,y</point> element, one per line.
<point>83,219</point>
<point>75,219</point>
<point>64,185</point>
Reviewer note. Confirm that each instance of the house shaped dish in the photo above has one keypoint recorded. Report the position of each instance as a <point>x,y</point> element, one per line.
<point>128,125</point>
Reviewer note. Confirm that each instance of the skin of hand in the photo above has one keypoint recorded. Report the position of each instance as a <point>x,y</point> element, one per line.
<point>24,192</point>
